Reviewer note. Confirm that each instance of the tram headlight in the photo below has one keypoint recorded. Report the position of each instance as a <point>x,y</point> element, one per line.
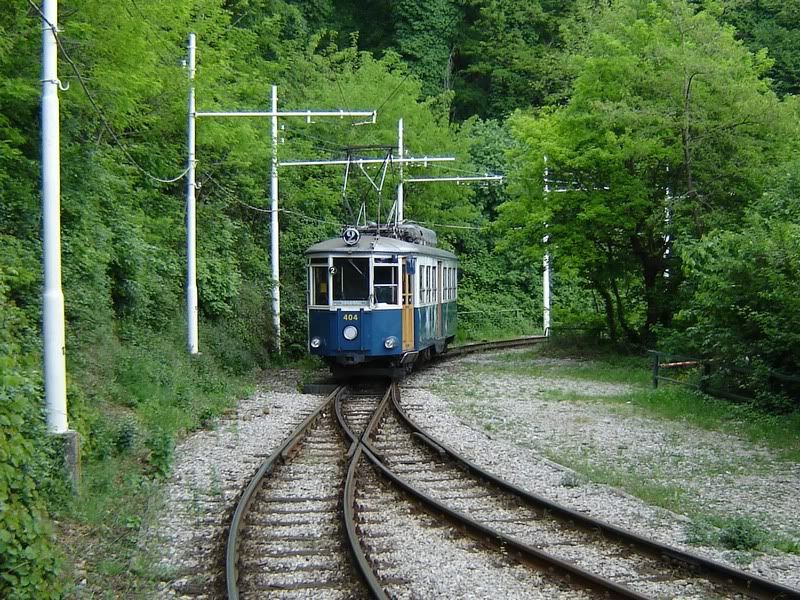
<point>390,342</point>
<point>316,342</point>
<point>350,332</point>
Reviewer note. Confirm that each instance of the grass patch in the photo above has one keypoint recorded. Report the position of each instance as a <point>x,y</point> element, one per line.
<point>604,367</point>
<point>675,403</point>
<point>669,497</point>
<point>734,533</point>
<point>100,530</point>
<point>140,393</point>
<point>780,433</point>
<point>479,330</point>
<point>788,546</point>
<point>741,534</point>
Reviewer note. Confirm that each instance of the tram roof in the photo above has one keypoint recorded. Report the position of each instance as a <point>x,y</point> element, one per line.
<point>369,244</point>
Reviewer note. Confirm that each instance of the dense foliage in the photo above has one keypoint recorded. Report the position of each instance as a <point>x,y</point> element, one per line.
<point>28,567</point>
<point>666,136</point>
<point>669,196</point>
<point>745,295</point>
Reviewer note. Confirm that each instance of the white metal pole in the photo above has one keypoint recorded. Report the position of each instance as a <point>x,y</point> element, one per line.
<point>55,371</point>
<point>546,291</point>
<point>191,215</point>
<point>400,217</point>
<point>274,233</point>
<point>546,266</point>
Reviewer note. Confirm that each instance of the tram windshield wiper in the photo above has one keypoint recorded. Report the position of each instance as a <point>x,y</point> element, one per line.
<point>350,260</point>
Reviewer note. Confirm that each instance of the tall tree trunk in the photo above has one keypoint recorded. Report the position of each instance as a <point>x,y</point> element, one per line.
<point>608,305</point>
<point>653,266</point>
<point>631,334</point>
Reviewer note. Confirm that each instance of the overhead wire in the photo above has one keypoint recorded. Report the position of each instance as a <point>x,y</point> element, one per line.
<point>448,169</point>
<point>231,195</point>
<point>325,144</point>
<point>97,108</point>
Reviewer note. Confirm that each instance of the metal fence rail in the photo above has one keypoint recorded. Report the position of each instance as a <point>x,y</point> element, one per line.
<point>708,368</point>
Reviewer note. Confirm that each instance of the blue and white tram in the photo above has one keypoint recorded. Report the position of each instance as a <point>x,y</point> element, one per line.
<point>375,300</point>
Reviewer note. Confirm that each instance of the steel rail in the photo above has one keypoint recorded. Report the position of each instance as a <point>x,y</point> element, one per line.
<point>750,584</point>
<point>279,456</point>
<point>362,563</point>
<point>529,553</point>
<point>464,349</point>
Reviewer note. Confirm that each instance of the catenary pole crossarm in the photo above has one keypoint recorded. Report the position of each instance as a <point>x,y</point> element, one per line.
<point>273,114</point>
<point>306,114</point>
<point>411,161</point>
<point>467,179</point>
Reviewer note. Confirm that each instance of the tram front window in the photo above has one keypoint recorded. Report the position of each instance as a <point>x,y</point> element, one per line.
<point>319,283</point>
<point>385,284</point>
<point>350,279</point>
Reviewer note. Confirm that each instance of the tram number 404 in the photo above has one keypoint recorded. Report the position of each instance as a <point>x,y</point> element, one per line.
<point>350,317</point>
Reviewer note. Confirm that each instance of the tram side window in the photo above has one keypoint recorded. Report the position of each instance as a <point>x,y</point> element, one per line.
<point>385,278</point>
<point>319,283</point>
<point>350,279</point>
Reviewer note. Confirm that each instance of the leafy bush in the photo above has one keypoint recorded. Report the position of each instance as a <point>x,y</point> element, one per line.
<point>240,342</point>
<point>745,297</point>
<point>493,299</point>
<point>742,534</point>
<point>29,567</point>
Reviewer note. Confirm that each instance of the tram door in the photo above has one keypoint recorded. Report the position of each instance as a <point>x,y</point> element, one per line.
<point>408,304</point>
<point>439,280</point>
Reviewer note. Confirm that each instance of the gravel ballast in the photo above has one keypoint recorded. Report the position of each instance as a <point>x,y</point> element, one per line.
<point>507,424</point>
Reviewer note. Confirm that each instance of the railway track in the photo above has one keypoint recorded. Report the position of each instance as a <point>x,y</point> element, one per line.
<point>464,349</point>
<point>285,538</point>
<point>632,566</point>
<point>330,514</point>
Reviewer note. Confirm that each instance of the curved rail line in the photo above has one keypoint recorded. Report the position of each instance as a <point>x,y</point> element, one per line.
<point>355,452</point>
<point>361,446</point>
<point>751,585</point>
<point>464,349</point>
<point>570,573</point>
<point>280,457</point>
<point>268,466</point>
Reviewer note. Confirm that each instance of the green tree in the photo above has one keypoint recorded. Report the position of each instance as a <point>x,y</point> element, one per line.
<point>744,288</point>
<point>670,130</point>
<point>774,25</point>
<point>510,56</point>
<point>424,33</point>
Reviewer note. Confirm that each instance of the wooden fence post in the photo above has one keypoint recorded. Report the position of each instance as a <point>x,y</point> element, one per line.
<point>655,369</point>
